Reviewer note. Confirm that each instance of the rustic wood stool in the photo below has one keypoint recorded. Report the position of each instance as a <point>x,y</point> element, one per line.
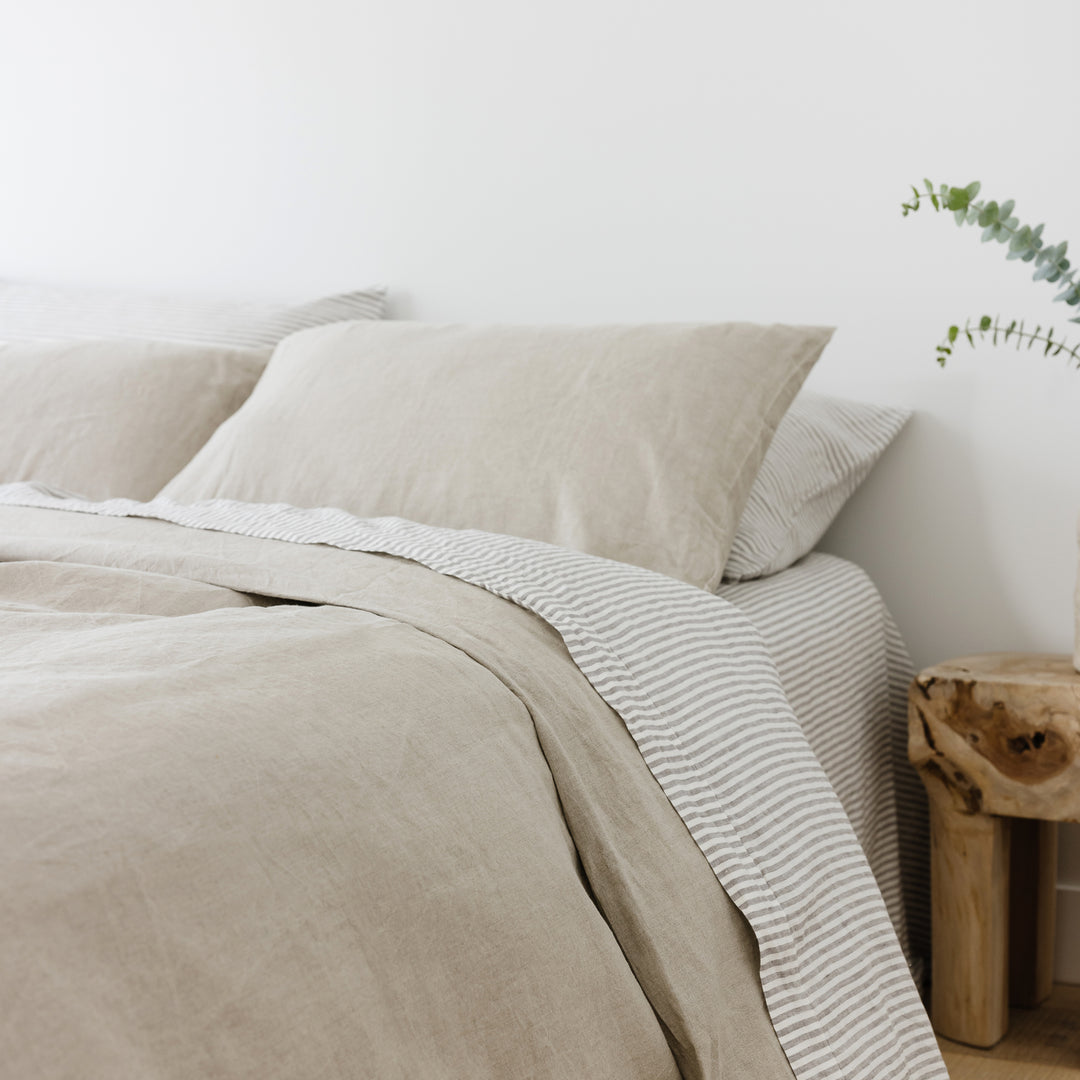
<point>995,739</point>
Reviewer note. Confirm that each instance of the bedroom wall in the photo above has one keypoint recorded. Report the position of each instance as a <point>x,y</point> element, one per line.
<point>614,160</point>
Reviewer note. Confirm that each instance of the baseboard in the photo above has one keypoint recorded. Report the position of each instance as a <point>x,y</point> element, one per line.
<point>1067,935</point>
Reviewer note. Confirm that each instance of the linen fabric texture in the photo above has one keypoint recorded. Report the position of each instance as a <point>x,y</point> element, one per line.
<point>34,311</point>
<point>846,672</point>
<point>685,670</point>
<point>105,419</point>
<point>636,443</point>
<point>322,841</point>
<point>823,449</point>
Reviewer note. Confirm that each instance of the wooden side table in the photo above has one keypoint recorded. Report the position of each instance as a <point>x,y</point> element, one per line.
<point>996,740</point>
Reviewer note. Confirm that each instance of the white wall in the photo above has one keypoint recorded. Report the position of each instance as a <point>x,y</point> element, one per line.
<point>611,159</point>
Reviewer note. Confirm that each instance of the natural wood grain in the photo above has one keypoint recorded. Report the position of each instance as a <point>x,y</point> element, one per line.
<point>996,739</point>
<point>969,899</point>
<point>1002,733</point>
<point>1032,910</point>
<point>1042,1044</point>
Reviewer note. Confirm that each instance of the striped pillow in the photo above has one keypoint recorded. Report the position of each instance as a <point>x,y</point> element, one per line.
<point>823,449</point>
<point>30,311</point>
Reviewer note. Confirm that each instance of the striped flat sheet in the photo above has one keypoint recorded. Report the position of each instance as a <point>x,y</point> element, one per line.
<point>695,684</point>
<point>845,670</point>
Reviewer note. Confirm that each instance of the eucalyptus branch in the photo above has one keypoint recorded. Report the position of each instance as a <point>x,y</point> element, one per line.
<point>999,223</point>
<point>997,329</point>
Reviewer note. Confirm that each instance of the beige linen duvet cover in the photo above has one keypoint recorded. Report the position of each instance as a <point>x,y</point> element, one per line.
<point>283,811</point>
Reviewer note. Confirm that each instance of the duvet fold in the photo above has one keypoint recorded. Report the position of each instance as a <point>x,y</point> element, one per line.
<point>273,808</point>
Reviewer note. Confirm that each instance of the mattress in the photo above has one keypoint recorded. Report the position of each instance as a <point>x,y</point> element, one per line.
<point>845,670</point>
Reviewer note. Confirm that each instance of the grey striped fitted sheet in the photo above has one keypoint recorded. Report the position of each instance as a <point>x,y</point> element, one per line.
<point>845,670</point>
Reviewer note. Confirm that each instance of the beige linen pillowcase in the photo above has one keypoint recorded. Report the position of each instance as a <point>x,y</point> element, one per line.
<point>106,419</point>
<point>638,443</point>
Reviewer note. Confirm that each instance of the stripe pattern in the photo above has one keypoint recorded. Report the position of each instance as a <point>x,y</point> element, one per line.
<point>845,670</point>
<point>823,449</point>
<point>697,689</point>
<point>37,312</point>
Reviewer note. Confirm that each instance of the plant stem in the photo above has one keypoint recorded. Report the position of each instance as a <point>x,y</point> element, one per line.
<point>944,350</point>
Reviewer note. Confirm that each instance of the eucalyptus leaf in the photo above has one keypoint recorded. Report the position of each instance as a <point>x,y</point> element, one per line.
<point>1022,242</point>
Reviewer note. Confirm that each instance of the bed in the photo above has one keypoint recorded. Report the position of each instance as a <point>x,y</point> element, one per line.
<point>294,790</point>
<point>846,672</point>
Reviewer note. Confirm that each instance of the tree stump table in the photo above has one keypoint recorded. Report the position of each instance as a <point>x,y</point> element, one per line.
<point>995,739</point>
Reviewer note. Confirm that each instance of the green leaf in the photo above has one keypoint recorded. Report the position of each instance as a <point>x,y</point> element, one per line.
<point>1021,238</point>
<point>1023,242</point>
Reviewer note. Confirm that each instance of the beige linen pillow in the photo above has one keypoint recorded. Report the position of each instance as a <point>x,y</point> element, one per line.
<point>638,443</point>
<point>115,418</point>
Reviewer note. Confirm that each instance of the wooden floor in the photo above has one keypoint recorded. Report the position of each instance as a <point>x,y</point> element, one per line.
<point>1042,1044</point>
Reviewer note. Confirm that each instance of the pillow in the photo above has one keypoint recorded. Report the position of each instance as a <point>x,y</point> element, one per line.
<point>115,418</point>
<point>638,443</point>
<point>823,450</point>
<point>35,312</point>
